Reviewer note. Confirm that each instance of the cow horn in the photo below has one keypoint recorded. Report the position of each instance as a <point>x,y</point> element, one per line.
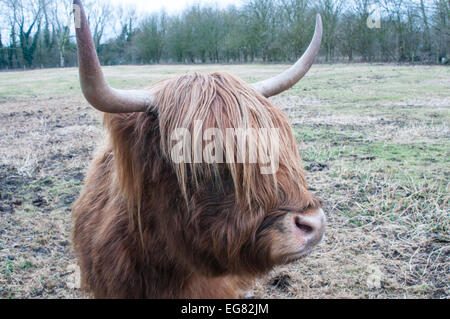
<point>290,77</point>
<point>93,84</point>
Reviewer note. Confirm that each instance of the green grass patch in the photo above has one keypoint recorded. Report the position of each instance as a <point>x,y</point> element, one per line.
<point>414,154</point>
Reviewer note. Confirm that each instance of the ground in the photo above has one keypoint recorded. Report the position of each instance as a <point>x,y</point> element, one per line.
<point>375,141</point>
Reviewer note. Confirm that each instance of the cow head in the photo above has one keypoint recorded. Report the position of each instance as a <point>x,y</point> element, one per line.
<point>237,218</point>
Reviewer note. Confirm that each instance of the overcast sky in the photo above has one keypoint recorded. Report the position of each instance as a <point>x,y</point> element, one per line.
<point>171,6</point>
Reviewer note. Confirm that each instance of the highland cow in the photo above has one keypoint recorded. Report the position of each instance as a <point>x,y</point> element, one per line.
<point>146,226</point>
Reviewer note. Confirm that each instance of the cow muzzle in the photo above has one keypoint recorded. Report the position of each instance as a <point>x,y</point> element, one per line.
<point>299,234</point>
<point>309,229</point>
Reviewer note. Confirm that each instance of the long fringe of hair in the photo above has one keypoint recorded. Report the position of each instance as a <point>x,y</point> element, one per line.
<point>222,101</point>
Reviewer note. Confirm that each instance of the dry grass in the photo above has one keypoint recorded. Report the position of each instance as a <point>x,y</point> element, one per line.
<point>374,138</point>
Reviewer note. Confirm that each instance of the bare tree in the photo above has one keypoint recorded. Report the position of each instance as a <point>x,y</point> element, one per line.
<point>60,14</point>
<point>427,42</point>
<point>296,25</point>
<point>441,30</point>
<point>330,11</point>
<point>100,14</point>
<point>260,18</point>
<point>26,15</point>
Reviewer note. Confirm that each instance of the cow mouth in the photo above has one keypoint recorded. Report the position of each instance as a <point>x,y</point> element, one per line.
<point>298,255</point>
<point>302,252</point>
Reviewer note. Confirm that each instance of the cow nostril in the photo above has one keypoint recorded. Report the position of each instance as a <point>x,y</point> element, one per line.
<point>302,226</point>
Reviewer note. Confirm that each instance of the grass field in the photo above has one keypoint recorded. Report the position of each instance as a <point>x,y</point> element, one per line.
<point>375,140</point>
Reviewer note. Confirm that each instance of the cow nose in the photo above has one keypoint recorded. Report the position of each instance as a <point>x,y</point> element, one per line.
<point>311,226</point>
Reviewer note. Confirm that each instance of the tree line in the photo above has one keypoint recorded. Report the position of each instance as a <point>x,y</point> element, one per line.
<point>40,33</point>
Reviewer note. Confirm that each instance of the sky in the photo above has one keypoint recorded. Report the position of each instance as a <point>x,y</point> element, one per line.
<point>171,6</point>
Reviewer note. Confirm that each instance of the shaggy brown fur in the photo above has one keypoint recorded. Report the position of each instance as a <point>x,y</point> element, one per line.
<point>145,227</point>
